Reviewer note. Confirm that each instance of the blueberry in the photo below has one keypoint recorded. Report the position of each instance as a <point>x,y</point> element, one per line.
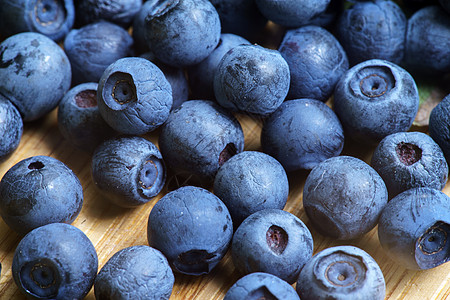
<point>192,228</point>
<point>48,17</point>
<point>373,29</point>
<point>55,261</point>
<point>198,138</point>
<point>120,12</point>
<point>272,241</point>
<point>316,61</point>
<point>39,190</point>
<point>134,97</point>
<point>261,285</point>
<point>251,181</point>
<point>138,33</point>
<point>439,125</point>
<point>414,228</point>
<point>92,48</point>
<point>79,120</point>
<point>136,272</point>
<point>182,32</point>
<point>341,272</point>
<point>343,197</point>
<point>302,133</point>
<point>410,159</point>
<point>129,171</point>
<point>252,79</point>
<point>374,99</point>
<point>11,128</point>
<point>35,73</point>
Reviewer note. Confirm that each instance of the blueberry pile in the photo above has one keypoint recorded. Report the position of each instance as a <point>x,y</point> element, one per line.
<point>253,144</point>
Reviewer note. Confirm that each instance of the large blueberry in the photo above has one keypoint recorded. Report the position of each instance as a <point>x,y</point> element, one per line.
<point>119,12</point>
<point>252,79</point>
<point>92,48</point>
<point>302,133</point>
<point>272,241</point>
<point>410,159</point>
<point>39,190</point>
<point>11,128</point>
<point>341,272</point>
<point>134,96</point>
<point>343,197</point>
<point>53,18</point>
<point>136,272</point>
<point>198,138</point>
<point>414,228</point>
<point>439,125</point>
<point>374,99</point>
<point>182,32</point>
<point>35,73</point>
<point>129,171</point>
<point>316,61</point>
<point>192,228</point>
<point>55,261</point>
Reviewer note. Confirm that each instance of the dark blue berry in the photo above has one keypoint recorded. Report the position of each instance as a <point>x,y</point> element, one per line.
<point>439,125</point>
<point>11,128</point>
<point>120,12</point>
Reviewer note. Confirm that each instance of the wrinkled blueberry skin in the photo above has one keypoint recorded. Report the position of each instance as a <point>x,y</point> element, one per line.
<point>261,285</point>
<point>120,12</point>
<point>414,228</point>
<point>136,272</point>
<point>341,273</point>
<point>292,13</point>
<point>35,73</point>
<point>426,50</point>
<point>410,159</point>
<point>251,181</point>
<point>199,137</point>
<point>11,128</point>
<point>374,99</point>
<point>129,171</point>
<point>51,18</point>
<point>192,228</point>
<point>343,197</point>
<point>92,48</point>
<point>59,257</point>
<point>302,133</point>
<point>133,96</point>
<point>439,125</point>
<point>79,120</point>
<point>138,32</point>
<point>252,79</point>
<point>201,75</point>
<point>369,30</point>
<point>39,190</point>
<point>316,61</point>
<point>272,241</point>
<point>182,32</point>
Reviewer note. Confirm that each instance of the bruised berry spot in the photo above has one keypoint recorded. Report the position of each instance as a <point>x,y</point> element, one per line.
<point>408,153</point>
<point>229,150</point>
<point>277,239</point>
<point>195,262</point>
<point>35,165</point>
<point>87,98</point>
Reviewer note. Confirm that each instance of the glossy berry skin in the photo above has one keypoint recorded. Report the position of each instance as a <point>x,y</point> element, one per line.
<point>301,133</point>
<point>374,99</point>
<point>11,128</point>
<point>51,18</point>
<point>120,12</point>
<point>373,29</point>
<point>79,120</point>
<point>251,181</point>
<point>198,138</point>
<point>92,48</point>
<point>35,73</point>
<point>128,170</point>
<point>39,190</point>
<point>145,271</point>
<point>261,285</point>
<point>192,228</point>
<point>252,79</point>
<point>414,228</point>
<point>182,32</point>
<point>439,125</point>
<point>272,241</point>
<point>410,159</point>
<point>133,96</point>
<point>201,75</point>
<point>55,261</point>
<point>316,62</point>
<point>343,197</point>
<point>341,272</point>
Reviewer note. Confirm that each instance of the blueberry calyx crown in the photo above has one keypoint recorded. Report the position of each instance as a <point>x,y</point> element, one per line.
<point>261,293</point>
<point>160,7</point>
<point>433,247</point>
<point>48,12</point>
<point>277,239</point>
<point>373,81</point>
<point>196,262</point>
<point>229,150</point>
<point>148,174</point>
<point>40,278</point>
<point>86,99</point>
<point>121,88</point>
<point>373,86</point>
<point>36,165</point>
<point>408,153</point>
